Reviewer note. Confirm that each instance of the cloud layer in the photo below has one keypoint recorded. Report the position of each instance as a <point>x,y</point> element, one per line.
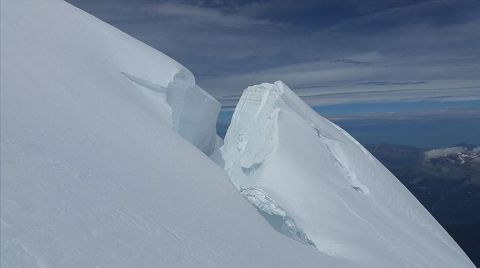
<point>328,51</point>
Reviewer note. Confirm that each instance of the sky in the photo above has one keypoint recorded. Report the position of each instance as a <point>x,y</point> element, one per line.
<point>378,56</point>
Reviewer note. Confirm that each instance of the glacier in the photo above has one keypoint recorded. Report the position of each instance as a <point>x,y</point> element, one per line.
<point>110,158</point>
<point>344,201</point>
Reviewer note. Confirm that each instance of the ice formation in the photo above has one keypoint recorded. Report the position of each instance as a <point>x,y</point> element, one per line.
<point>345,202</point>
<point>275,215</point>
<point>181,99</point>
<point>104,145</point>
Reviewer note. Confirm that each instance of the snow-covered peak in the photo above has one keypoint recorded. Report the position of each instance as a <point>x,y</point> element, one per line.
<point>315,183</point>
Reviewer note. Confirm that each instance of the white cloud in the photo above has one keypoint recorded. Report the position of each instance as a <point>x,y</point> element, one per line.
<point>195,14</point>
<point>437,153</point>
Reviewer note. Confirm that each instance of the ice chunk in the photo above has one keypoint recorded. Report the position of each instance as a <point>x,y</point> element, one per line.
<point>186,107</point>
<point>340,197</point>
<point>195,112</point>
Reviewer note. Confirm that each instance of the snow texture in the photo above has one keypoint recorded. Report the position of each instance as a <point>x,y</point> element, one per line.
<point>344,201</point>
<point>104,145</point>
<point>93,170</point>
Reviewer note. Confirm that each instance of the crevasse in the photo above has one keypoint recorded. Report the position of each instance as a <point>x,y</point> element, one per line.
<point>183,99</point>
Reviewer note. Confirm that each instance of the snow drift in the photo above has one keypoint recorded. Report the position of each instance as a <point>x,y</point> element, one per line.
<point>316,184</point>
<point>104,145</point>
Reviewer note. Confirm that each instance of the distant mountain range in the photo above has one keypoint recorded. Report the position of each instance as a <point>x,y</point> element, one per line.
<point>446,181</point>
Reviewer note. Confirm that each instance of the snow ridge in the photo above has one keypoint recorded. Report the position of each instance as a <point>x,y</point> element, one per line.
<point>316,184</point>
<point>255,132</point>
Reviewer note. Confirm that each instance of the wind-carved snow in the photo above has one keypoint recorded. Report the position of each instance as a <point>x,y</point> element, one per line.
<point>307,175</point>
<point>257,131</point>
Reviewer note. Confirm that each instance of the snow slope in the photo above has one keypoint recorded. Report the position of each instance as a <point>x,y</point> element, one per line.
<point>93,170</point>
<point>104,145</point>
<point>313,182</point>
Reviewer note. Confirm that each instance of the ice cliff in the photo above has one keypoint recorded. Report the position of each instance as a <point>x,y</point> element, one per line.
<point>313,182</point>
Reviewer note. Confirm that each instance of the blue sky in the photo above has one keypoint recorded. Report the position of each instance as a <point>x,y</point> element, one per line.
<point>364,109</point>
<point>406,50</point>
<point>346,57</point>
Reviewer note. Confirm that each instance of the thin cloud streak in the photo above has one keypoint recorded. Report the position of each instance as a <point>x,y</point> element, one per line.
<point>327,51</point>
<point>333,82</point>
